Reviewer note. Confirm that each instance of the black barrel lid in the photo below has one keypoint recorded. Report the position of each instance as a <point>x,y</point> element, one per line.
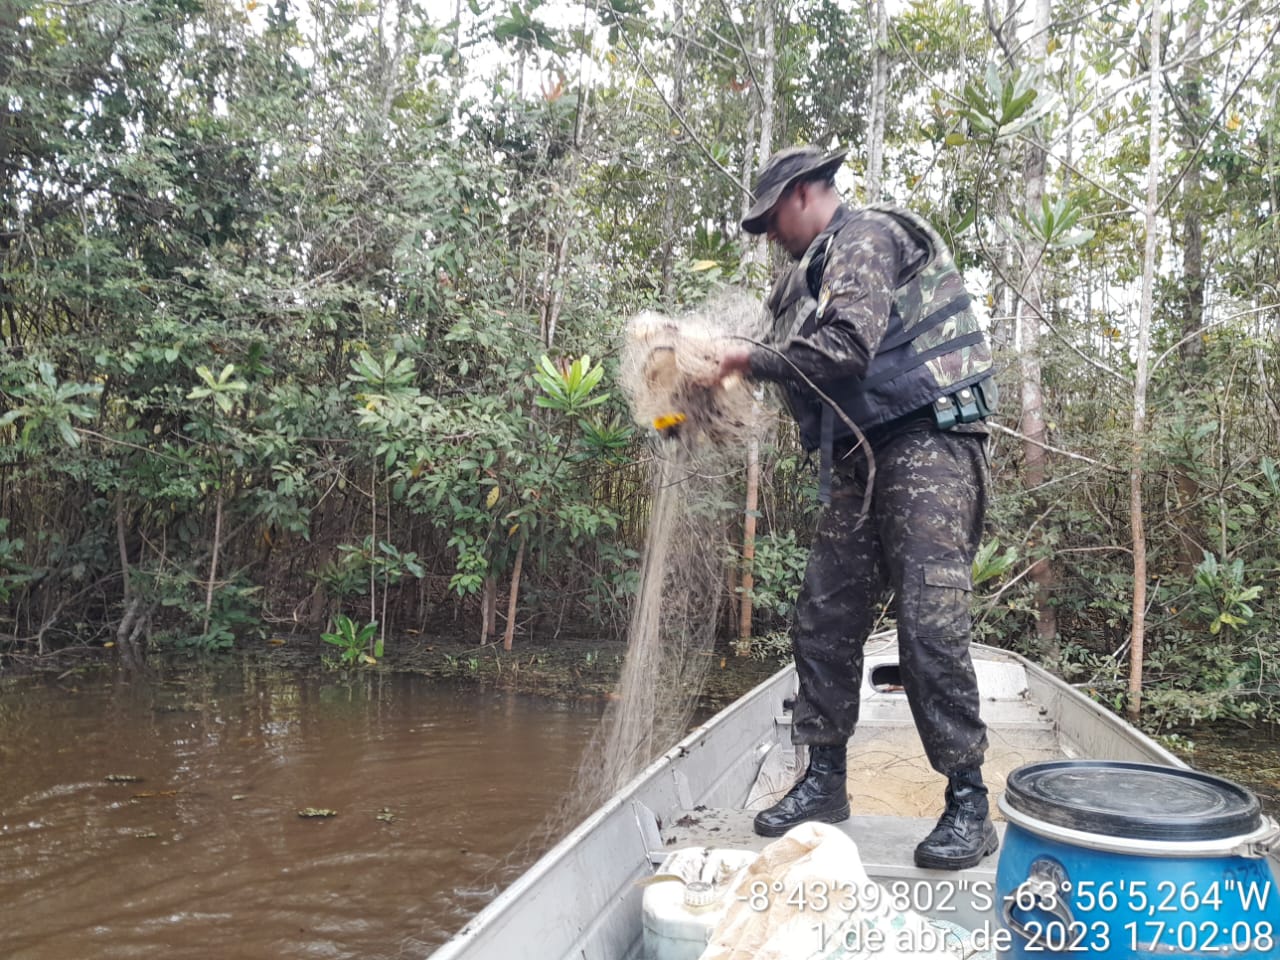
<point>1140,801</point>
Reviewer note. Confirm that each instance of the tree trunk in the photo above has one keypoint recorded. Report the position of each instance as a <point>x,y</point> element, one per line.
<point>1142,361</point>
<point>879,92</point>
<point>373,545</point>
<point>749,167</point>
<point>1191,349</point>
<point>127,632</point>
<point>380,643</point>
<point>769,31</point>
<point>1030,311</point>
<point>756,253</point>
<point>673,159</point>
<point>749,546</point>
<point>553,290</point>
<point>488,608</point>
<point>766,32</point>
<point>122,546</point>
<point>510,633</point>
<point>733,607</point>
<point>213,561</point>
<point>389,60</point>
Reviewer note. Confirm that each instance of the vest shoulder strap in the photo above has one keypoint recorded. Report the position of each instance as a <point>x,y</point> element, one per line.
<point>918,229</point>
<point>914,226</point>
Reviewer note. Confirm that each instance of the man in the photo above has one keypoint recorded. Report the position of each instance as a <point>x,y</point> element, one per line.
<point>875,316</point>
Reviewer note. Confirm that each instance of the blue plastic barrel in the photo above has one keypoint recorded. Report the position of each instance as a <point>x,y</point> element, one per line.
<point>1114,859</point>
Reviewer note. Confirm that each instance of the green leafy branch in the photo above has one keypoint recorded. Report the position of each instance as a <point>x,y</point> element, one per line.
<point>1003,107</point>
<point>46,404</point>
<point>1223,592</point>
<point>568,389</point>
<point>221,388</point>
<point>353,641</point>
<point>989,563</point>
<point>1054,224</point>
<point>385,374</point>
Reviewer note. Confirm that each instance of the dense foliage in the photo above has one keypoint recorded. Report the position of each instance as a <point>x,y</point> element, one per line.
<point>279,280</point>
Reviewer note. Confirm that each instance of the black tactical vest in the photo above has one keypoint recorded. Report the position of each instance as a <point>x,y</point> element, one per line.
<point>932,350</point>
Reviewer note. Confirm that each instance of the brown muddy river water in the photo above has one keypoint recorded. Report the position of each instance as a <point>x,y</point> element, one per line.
<point>159,819</point>
<point>155,819</point>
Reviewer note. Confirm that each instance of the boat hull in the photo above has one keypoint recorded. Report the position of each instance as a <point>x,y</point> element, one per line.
<point>582,900</point>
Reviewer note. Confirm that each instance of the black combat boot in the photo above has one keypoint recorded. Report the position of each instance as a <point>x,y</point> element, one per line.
<point>820,795</point>
<point>964,834</point>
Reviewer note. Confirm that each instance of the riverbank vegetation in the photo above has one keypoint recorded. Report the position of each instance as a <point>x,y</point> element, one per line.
<point>299,301</point>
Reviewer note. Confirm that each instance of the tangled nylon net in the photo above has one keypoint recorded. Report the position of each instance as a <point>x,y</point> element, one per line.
<point>700,437</point>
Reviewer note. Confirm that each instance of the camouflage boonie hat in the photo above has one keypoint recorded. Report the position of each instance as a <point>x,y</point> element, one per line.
<point>783,169</point>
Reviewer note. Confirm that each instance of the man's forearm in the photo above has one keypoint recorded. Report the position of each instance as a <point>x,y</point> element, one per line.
<point>824,357</point>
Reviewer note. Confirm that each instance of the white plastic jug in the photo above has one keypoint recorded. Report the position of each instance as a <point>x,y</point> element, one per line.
<point>686,898</point>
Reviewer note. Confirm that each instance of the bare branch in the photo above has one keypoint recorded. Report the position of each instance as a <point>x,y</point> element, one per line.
<point>1092,361</point>
<point>639,59</point>
<point>1209,326</point>
<point>1001,428</point>
<point>1213,121</point>
<point>746,55</point>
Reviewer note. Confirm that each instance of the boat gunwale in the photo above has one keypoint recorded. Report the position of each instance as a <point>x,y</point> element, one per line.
<point>612,807</point>
<point>1042,686</point>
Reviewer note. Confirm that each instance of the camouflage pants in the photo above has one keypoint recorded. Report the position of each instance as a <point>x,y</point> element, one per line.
<point>925,522</point>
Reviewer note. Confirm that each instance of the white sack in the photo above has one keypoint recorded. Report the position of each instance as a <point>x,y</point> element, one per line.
<point>807,897</point>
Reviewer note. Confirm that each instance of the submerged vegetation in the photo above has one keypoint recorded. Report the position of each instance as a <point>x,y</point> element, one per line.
<point>298,301</point>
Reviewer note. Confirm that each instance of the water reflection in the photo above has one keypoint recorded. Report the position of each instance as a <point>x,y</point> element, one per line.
<point>161,819</point>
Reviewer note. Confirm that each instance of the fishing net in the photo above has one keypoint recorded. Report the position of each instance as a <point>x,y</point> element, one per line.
<point>668,374</point>
<point>701,430</point>
<point>700,435</point>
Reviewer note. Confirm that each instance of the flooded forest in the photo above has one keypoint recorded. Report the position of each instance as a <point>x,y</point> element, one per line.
<point>310,316</point>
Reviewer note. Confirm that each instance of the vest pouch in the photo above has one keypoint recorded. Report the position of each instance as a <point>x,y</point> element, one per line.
<point>945,414</point>
<point>966,405</point>
<point>966,402</point>
<point>988,394</point>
